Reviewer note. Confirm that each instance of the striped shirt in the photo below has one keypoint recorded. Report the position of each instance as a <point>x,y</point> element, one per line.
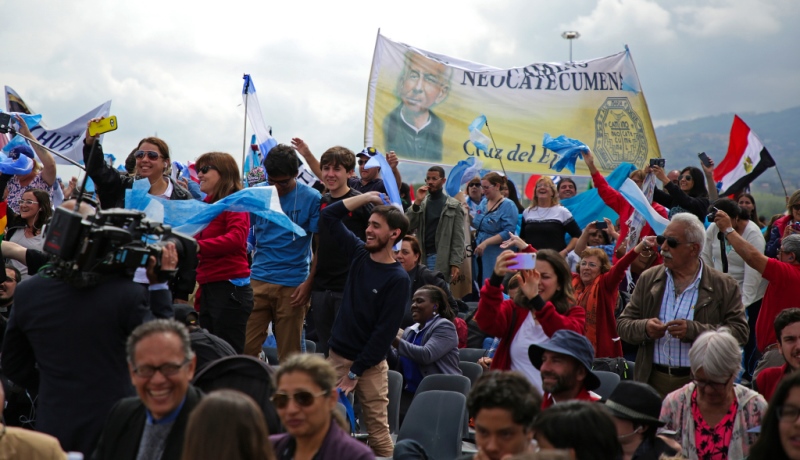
<point>669,351</point>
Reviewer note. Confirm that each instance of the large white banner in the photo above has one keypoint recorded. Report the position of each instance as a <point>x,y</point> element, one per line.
<point>420,105</point>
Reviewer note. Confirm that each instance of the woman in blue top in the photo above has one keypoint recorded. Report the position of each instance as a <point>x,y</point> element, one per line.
<point>428,347</point>
<point>495,220</point>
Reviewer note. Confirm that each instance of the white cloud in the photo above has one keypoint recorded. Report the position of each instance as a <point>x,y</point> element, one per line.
<point>740,18</point>
<point>620,19</point>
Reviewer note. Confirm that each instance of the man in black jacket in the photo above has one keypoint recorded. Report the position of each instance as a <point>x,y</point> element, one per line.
<point>152,425</point>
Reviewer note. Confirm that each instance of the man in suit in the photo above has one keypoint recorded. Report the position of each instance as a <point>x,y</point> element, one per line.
<point>151,426</point>
<point>70,343</point>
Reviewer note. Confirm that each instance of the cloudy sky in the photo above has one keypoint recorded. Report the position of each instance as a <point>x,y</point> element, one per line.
<point>175,67</point>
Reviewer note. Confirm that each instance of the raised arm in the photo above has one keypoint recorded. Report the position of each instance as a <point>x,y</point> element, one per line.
<point>749,253</point>
<point>708,171</point>
<point>48,162</point>
<point>302,148</point>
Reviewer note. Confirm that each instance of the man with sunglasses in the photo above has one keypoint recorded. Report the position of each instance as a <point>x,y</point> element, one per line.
<point>674,303</point>
<point>152,425</point>
<point>370,180</point>
<point>783,274</point>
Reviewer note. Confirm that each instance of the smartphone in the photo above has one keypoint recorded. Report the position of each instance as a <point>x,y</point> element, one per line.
<point>524,261</point>
<point>5,121</point>
<point>660,162</point>
<point>103,126</point>
<point>796,226</point>
<point>705,159</point>
<point>600,225</point>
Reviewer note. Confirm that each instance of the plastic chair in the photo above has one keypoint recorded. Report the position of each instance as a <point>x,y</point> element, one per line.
<point>472,371</point>
<point>271,353</point>
<point>395,390</point>
<point>608,381</point>
<point>429,421</point>
<point>311,346</point>
<point>446,382</point>
<point>471,355</point>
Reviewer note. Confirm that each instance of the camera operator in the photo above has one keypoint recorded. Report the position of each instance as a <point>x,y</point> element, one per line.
<point>70,343</point>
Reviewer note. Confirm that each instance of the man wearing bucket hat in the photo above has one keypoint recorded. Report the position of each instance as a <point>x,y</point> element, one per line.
<point>565,364</point>
<point>635,407</point>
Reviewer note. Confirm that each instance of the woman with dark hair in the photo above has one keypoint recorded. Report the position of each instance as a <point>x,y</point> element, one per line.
<point>510,191</point>
<point>690,195</point>
<point>428,347</point>
<point>305,399</point>
<point>597,289</point>
<point>746,201</point>
<point>227,424</point>
<point>584,427</point>
<point>780,428</point>
<point>224,297</point>
<point>25,228</point>
<point>543,304</point>
<point>545,224</point>
<point>494,220</point>
<point>784,225</point>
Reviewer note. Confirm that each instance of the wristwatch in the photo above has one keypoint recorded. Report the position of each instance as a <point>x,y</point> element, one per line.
<point>352,376</point>
<point>729,230</point>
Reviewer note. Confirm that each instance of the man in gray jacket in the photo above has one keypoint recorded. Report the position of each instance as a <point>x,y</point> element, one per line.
<point>674,303</point>
<point>439,223</point>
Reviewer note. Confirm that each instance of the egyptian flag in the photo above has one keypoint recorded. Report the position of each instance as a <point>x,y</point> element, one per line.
<point>746,159</point>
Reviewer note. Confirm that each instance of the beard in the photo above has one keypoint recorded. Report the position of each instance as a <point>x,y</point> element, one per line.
<point>562,383</point>
<point>378,245</point>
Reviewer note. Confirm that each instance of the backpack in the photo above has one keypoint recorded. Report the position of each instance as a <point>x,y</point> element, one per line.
<point>618,366</point>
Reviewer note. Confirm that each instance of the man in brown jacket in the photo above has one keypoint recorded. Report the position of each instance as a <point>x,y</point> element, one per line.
<point>674,303</point>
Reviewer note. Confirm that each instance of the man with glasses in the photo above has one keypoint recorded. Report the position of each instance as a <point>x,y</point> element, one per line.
<point>674,303</point>
<point>152,425</point>
<point>370,180</point>
<point>783,275</point>
<point>439,223</point>
<point>283,271</point>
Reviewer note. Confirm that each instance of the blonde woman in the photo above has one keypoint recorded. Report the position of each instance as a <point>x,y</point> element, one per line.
<point>545,224</point>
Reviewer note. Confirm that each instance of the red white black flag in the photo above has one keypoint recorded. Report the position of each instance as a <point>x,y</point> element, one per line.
<point>746,159</point>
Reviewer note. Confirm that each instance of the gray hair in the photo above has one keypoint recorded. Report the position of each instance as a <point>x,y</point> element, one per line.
<point>717,353</point>
<point>791,244</point>
<point>694,230</point>
<point>159,326</point>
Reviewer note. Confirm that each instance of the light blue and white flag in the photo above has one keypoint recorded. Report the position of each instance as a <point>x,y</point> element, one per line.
<point>251,160</point>
<point>636,198</point>
<point>630,79</point>
<point>377,160</point>
<point>30,120</point>
<point>568,150</point>
<point>462,173</point>
<point>476,136</point>
<point>16,163</point>
<point>264,138</point>
<point>587,207</point>
<point>192,216</point>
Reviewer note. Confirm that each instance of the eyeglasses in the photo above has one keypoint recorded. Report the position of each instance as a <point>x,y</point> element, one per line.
<point>279,183</point>
<point>166,370</point>
<point>671,241</point>
<point>302,398</point>
<point>686,177</point>
<point>716,386</point>
<point>475,185</point>
<point>486,187</point>
<point>206,168</point>
<point>28,202</point>
<point>362,162</point>
<point>139,154</point>
<point>588,264</point>
<point>787,413</point>
<point>796,207</point>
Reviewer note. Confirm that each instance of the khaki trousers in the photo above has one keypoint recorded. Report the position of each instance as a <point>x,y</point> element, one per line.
<point>665,383</point>
<point>272,303</point>
<point>372,391</point>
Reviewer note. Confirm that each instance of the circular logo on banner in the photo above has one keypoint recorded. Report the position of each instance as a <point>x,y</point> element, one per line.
<point>619,134</point>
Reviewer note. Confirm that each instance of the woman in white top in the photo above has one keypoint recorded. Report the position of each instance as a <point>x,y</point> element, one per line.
<point>545,224</point>
<point>750,281</point>
<point>25,228</point>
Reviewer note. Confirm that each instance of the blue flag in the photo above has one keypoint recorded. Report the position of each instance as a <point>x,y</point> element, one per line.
<point>461,173</point>
<point>588,207</point>
<point>478,139</point>
<point>16,157</point>
<point>568,150</point>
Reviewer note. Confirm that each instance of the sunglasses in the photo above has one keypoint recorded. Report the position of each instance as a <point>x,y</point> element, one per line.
<point>139,154</point>
<point>670,240</point>
<point>206,168</point>
<point>362,162</point>
<point>796,207</point>
<point>685,177</point>
<point>279,183</point>
<point>302,398</point>
<point>475,185</point>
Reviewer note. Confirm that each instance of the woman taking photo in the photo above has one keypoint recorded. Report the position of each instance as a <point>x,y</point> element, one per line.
<point>428,347</point>
<point>494,221</point>
<point>227,424</point>
<point>25,228</point>
<point>545,224</point>
<point>780,430</point>
<point>224,297</point>
<point>597,288</point>
<point>711,415</point>
<point>543,304</point>
<point>305,398</point>
<point>41,177</point>
<point>690,195</point>
<point>784,226</point>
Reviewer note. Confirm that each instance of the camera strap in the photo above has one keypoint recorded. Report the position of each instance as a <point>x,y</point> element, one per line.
<point>723,256</point>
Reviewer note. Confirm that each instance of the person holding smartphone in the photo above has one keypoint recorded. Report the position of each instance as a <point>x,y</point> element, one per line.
<point>784,226</point>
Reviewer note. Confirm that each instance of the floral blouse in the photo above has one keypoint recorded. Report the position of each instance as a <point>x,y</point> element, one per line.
<point>713,442</point>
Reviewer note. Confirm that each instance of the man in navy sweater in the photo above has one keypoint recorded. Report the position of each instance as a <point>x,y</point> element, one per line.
<point>373,303</point>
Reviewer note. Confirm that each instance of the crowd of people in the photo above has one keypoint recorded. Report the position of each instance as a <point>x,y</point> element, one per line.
<point>704,313</point>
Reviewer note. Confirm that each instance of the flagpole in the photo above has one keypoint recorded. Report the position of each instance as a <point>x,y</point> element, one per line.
<point>784,187</point>
<point>495,148</point>
<point>244,134</point>
<point>75,163</point>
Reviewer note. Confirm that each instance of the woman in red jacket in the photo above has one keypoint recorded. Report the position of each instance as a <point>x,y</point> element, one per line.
<point>224,298</point>
<point>543,305</point>
<point>597,288</point>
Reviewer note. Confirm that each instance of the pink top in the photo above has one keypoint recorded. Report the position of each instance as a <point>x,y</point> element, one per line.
<point>712,442</point>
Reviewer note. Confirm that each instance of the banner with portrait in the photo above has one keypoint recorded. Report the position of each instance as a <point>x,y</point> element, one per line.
<point>420,104</point>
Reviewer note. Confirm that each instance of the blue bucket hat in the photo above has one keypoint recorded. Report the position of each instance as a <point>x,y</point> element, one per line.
<point>568,343</point>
